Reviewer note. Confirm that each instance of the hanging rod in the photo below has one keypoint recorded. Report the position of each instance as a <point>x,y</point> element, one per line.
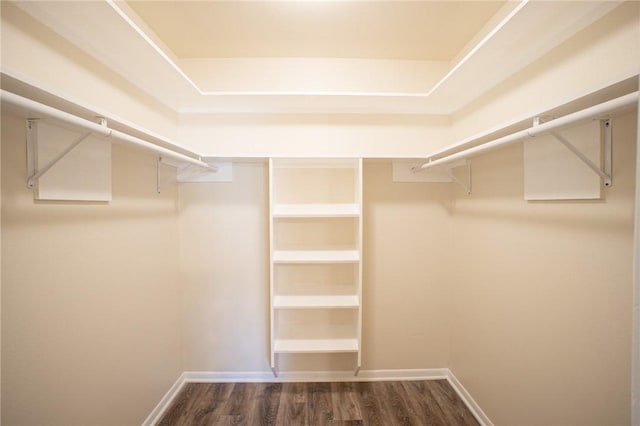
<point>582,115</point>
<point>99,129</point>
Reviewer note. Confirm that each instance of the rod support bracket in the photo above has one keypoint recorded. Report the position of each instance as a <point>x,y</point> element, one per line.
<point>158,167</point>
<point>607,156</point>
<point>32,153</point>
<point>32,138</point>
<point>605,171</point>
<point>466,185</point>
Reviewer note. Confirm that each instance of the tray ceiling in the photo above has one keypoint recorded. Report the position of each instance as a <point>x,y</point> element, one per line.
<point>400,57</point>
<point>404,30</point>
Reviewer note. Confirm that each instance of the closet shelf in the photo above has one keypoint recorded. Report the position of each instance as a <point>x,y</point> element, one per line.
<point>316,256</point>
<point>316,302</point>
<point>316,210</point>
<point>315,345</point>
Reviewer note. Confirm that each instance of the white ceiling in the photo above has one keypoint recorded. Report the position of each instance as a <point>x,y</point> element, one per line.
<point>404,30</point>
<point>349,56</point>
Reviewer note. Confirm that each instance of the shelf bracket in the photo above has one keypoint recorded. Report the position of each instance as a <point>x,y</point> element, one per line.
<point>605,174</point>
<point>443,173</point>
<point>357,371</point>
<point>158,164</point>
<point>466,185</point>
<point>32,148</point>
<point>273,370</point>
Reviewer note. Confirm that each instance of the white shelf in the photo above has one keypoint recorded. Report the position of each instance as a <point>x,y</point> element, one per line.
<point>316,256</point>
<point>316,210</point>
<point>315,345</point>
<point>316,302</point>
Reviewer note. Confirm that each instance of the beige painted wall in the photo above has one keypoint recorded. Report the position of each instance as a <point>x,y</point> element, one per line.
<point>224,262</point>
<point>406,302</point>
<point>224,252</point>
<point>542,295</point>
<point>90,324</point>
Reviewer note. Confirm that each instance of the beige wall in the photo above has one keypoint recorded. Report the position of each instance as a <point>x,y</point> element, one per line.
<point>406,301</point>
<point>541,318</point>
<point>90,324</point>
<point>224,261</point>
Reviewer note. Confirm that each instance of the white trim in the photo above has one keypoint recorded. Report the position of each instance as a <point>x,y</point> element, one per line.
<point>316,376</point>
<point>477,47</point>
<point>159,410</point>
<point>313,376</point>
<point>345,93</point>
<point>471,404</point>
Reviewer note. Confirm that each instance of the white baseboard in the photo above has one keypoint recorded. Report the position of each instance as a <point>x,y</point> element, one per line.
<point>314,376</point>
<point>159,410</point>
<point>471,404</point>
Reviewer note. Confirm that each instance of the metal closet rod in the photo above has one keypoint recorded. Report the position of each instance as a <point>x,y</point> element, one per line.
<point>575,117</point>
<point>99,129</point>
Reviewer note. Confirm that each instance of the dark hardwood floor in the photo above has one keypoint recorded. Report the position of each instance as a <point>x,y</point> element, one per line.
<point>430,402</point>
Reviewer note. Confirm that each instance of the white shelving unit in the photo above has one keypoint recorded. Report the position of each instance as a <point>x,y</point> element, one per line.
<point>316,256</point>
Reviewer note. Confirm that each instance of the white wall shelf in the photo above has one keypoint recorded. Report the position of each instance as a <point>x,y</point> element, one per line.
<point>315,222</point>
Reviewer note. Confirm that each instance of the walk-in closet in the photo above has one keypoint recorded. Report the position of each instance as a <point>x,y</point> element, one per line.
<point>319,212</point>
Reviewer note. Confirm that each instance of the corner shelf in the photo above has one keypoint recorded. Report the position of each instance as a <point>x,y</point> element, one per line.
<point>315,219</point>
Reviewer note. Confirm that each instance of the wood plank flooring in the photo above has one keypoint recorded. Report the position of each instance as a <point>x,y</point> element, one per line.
<point>425,402</point>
